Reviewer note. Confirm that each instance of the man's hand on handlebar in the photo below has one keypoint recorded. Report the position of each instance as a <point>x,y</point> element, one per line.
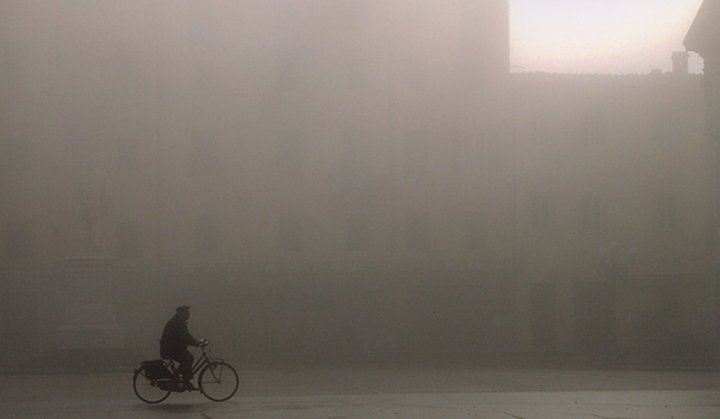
<point>203,342</point>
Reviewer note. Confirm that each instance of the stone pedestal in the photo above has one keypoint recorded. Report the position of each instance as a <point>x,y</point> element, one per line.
<point>88,319</point>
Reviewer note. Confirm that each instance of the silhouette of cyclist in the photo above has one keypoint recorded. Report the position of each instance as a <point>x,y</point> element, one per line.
<point>174,342</point>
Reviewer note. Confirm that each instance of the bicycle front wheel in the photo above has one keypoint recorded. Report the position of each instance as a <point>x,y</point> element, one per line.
<point>147,389</point>
<point>218,381</point>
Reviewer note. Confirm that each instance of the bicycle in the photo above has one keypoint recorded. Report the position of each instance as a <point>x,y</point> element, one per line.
<point>154,380</point>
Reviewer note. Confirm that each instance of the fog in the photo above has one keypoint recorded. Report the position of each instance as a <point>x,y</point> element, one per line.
<point>344,182</point>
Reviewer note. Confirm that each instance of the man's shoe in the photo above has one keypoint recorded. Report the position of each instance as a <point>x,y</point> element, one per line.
<point>190,387</point>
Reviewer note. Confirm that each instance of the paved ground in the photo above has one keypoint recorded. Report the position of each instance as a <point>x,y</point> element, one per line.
<point>383,393</point>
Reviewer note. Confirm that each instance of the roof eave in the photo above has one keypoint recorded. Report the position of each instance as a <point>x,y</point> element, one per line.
<point>703,29</point>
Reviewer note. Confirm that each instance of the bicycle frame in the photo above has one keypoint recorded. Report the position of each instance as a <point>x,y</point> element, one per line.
<point>199,364</point>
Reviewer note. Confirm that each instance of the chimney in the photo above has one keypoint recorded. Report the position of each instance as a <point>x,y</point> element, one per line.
<point>680,62</point>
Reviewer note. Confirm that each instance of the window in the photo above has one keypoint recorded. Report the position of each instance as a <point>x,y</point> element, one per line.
<point>540,213</point>
<point>18,240</point>
<point>458,154</point>
<point>358,231</point>
<point>592,213</point>
<point>417,159</point>
<point>290,154</point>
<point>591,129</point>
<point>16,153</point>
<point>129,239</point>
<point>417,231</point>
<point>414,74</point>
<point>493,151</point>
<point>465,156</point>
<point>205,159</point>
<point>202,27</point>
<point>288,73</point>
<point>667,216</point>
<point>204,74</point>
<point>293,54</point>
<point>357,156</point>
<point>15,64</point>
<point>475,230</point>
<point>363,178</point>
<point>290,228</point>
<point>128,153</point>
<point>206,233</point>
<point>357,73</point>
<point>202,36</point>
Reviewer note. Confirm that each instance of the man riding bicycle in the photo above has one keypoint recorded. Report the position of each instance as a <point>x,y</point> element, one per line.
<point>174,342</point>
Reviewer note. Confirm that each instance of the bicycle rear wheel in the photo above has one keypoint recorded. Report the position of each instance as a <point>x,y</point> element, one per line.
<point>218,381</point>
<point>147,389</point>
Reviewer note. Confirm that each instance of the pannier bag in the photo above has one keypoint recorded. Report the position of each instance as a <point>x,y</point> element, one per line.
<point>156,369</point>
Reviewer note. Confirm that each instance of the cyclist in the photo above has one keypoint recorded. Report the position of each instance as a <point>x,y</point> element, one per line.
<point>174,342</point>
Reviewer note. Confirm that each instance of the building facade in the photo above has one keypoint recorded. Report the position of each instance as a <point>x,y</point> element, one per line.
<point>339,179</point>
<point>702,38</point>
<point>612,197</point>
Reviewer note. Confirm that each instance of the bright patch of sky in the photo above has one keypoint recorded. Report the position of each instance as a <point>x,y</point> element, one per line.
<point>599,36</point>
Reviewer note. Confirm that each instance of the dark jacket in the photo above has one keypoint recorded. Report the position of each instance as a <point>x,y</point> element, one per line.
<point>175,338</point>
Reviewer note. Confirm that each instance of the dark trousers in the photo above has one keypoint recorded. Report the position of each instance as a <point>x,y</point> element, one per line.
<point>186,362</point>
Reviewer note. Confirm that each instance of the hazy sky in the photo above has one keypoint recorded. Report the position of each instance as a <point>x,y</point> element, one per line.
<point>599,36</point>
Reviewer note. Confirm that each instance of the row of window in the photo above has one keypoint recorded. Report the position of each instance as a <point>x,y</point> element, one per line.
<point>361,229</point>
<point>594,213</point>
<point>360,232</point>
<point>290,155</point>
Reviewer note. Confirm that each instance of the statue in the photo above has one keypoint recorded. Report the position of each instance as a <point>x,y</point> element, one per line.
<point>88,320</point>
